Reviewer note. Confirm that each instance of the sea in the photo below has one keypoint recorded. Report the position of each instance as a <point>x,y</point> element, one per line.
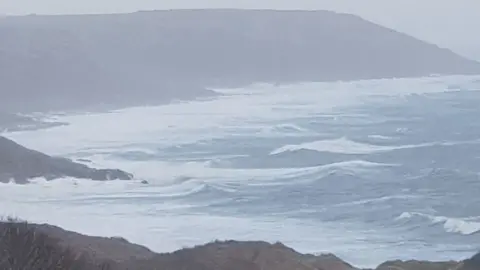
<point>369,170</point>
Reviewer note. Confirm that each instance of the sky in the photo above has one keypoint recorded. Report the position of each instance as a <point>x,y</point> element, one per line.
<point>448,23</point>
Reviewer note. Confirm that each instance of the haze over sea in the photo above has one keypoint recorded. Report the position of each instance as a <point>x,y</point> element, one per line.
<point>368,170</point>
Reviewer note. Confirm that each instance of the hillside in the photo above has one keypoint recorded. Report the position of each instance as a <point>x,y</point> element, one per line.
<point>33,246</point>
<point>79,61</point>
<point>20,164</point>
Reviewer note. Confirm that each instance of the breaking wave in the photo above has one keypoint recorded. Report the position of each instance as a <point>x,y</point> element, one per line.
<point>465,226</point>
<point>342,146</point>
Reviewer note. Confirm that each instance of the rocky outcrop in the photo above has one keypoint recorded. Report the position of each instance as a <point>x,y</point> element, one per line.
<point>55,246</point>
<point>46,247</point>
<point>19,164</point>
<point>115,249</point>
<point>119,254</point>
<point>64,62</point>
<point>417,265</point>
<point>240,256</point>
<point>470,264</point>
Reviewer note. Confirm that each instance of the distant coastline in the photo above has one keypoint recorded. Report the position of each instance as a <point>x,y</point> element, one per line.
<point>78,62</point>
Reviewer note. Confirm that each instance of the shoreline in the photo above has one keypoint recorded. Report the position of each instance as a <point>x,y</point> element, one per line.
<point>20,121</point>
<point>27,216</point>
<point>25,120</point>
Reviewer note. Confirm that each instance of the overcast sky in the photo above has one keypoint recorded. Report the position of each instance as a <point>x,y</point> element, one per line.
<point>448,23</point>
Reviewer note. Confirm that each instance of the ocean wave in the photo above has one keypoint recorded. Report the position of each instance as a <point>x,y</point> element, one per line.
<point>356,165</point>
<point>379,137</point>
<point>286,128</point>
<point>311,174</point>
<point>342,146</point>
<point>174,181</point>
<point>84,190</point>
<point>295,176</point>
<point>40,189</point>
<point>378,200</point>
<point>193,186</point>
<point>464,226</point>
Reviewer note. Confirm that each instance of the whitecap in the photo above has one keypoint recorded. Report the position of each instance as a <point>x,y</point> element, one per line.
<point>286,128</point>
<point>458,225</point>
<point>464,226</point>
<point>169,125</point>
<point>341,146</point>
<point>379,137</point>
<point>379,199</point>
<point>197,120</point>
<point>307,175</point>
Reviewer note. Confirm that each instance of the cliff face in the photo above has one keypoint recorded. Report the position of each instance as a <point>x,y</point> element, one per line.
<point>125,59</point>
<point>20,164</point>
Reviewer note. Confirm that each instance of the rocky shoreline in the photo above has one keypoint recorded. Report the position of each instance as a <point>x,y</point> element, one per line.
<point>10,122</point>
<point>35,246</point>
<point>19,164</point>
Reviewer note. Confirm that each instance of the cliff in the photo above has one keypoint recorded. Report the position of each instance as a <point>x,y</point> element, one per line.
<point>31,246</point>
<point>79,61</point>
<point>20,164</point>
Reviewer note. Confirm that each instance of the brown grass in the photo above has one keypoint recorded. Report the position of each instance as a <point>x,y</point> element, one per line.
<point>22,247</point>
<point>25,246</point>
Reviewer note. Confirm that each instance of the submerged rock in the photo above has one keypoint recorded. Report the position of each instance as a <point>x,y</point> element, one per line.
<point>84,160</point>
<point>18,164</point>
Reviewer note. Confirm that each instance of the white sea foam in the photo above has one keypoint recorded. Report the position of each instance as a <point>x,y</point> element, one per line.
<point>380,199</point>
<point>465,226</point>
<point>311,174</point>
<point>164,225</point>
<point>284,130</point>
<point>146,224</point>
<point>342,146</point>
<point>192,121</point>
<point>380,137</point>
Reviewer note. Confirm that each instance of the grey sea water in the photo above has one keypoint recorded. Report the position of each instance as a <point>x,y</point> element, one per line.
<point>369,170</point>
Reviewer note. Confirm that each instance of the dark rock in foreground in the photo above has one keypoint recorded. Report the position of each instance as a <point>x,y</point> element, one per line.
<point>46,247</point>
<point>417,265</point>
<point>238,256</point>
<point>87,252</point>
<point>471,264</point>
<point>20,164</point>
<point>70,250</point>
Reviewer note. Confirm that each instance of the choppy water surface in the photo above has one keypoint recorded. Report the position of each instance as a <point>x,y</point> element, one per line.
<point>369,170</point>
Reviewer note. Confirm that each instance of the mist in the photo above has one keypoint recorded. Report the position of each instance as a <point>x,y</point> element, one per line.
<point>450,24</point>
<point>135,133</point>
